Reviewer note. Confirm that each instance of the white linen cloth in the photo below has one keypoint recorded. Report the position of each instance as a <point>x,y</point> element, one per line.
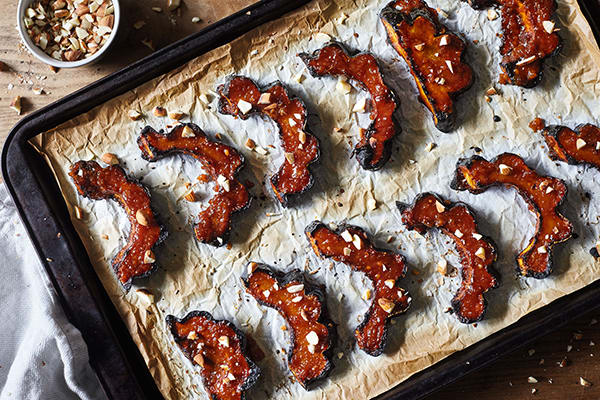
<point>42,356</point>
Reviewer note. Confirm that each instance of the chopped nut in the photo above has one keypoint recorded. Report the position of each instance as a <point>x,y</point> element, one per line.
<point>303,315</point>
<point>531,379</point>
<point>389,283</point>
<point>312,338</point>
<point>140,217</point>
<point>549,189</point>
<point>297,299</point>
<point>267,293</point>
<point>584,382</point>
<point>526,60</point>
<point>224,341</point>
<point>199,359</point>
<point>110,159</point>
<point>289,157</point>
<point>187,132</point>
<point>78,212</point>
<point>580,143</point>
<point>172,5</point>
<point>343,86</point>
<point>250,143</point>
<point>458,233</point>
<point>444,40</point>
<point>149,257</point>
<point>504,169</point>
<point>366,295</point>
<point>38,90</point>
<point>371,204</point>
<point>548,26</point>
<point>360,105</point>
<point>356,242</point>
<point>491,91</point>
<point>449,64</point>
<point>134,115</point>
<point>442,266</point>
<point>295,288</point>
<point>302,137</point>
<point>265,98</point>
<point>480,253</point>
<point>252,267</point>
<point>159,111</point>
<point>15,104</point>
<point>347,251</point>
<point>261,150</point>
<point>386,305</point>
<point>430,146</point>
<point>157,9</point>
<point>176,115</point>
<point>195,20</point>
<point>190,196</point>
<point>541,250</point>
<point>477,236</point>
<point>192,335</point>
<point>244,106</point>
<point>439,207</point>
<point>347,236</point>
<point>223,182</point>
<point>492,14</point>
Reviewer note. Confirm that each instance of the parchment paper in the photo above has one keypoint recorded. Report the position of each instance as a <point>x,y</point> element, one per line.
<point>195,276</point>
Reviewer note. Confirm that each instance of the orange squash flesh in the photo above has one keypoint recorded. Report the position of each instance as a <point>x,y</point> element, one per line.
<point>434,55</point>
<point>289,113</point>
<point>543,195</point>
<point>221,163</point>
<point>579,146</point>
<point>135,259</point>
<point>477,252</point>
<point>384,268</point>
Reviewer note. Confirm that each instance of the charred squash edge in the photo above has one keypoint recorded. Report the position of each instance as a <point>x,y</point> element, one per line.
<point>446,122</point>
<point>254,369</point>
<point>458,184</point>
<point>162,154</point>
<point>163,230</point>
<point>223,90</point>
<point>509,68</point>
<point>312,227</point>
<point>489,268</point>
<point>364,154</point>
<point>310,288</point>
<point>553,131</point>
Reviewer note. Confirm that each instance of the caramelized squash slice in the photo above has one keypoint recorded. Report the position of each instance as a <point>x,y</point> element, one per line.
<point>221,163</point>
<point>579,146</point>
<point>304,308</point>
<point>528,38</point>
<point>136,259</point>
<point>374,148</point>
<point>241,97</point>
<point>477,252</point>
<point>543,194</point>
<point>434,55</point>
<point>352,246</point>
<point>219,349</point>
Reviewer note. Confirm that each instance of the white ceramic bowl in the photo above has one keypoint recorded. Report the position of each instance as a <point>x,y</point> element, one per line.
<point>39,53</point>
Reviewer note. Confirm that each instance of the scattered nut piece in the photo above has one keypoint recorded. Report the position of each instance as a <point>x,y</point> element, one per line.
<point>444,40</point>
<point>357,242</point>
<point>389,283</point>
<point>312,338</point>
<point>504,169</point>
<point>386,305</point>
<point>110,159</point>
<point>224,341</point>
<point>159,111</point>
<point>584,382</point>
<point>360,105</point>
<point>149,257</point>
<point>477,236</point>
<point>492,14</point>
<point>157,9</point>
<point>442,266</point>
<point>295,288</point>
<point>458,233</point>
<point>187,132</point>
<point>289,157</point>
<point>223,182</point>
<point>322,37</point>
<point>15,104</point>
<point>134,115</point>
<point>366,295</point>
<point>491,91</point>
<point>139,24</point>
<point>347,236</point>
<point>371,204</point>
<point>250,144</point>
<point>541,250</point>
<point>580,143</point>
<point>347,251</point>
<point>195,20</point>
<point>192,335</point>
<point>199,359</point>
<point>176,115</point>
<point>172,5</point>
<point>548,26</point>
<point>343,86</point>
<point>140,217</point>
<point>190,196</point>
<point>480,253</point>
<point>449,64</point>
<point>244,106</point>
<point>531,379</point>
<point>439,207</point>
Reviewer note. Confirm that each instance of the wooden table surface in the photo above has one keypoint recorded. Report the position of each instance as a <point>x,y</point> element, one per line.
<point>504,379</point>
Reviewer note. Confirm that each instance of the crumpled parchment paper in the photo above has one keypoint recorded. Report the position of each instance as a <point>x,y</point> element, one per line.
<point>196,276</point>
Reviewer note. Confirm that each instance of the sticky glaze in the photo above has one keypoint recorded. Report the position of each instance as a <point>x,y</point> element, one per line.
<point>98,183</point>
<point>384,268</point>
<point>201,339</point>
<point>543,194</point>
<point>434,55</point>
<point>477,252</point>
<point>563,144</point>
<point>293,177</point>
<point>374,148</point>
<point>217,159</point>
<point>525,41</point>
<point>303,307</point>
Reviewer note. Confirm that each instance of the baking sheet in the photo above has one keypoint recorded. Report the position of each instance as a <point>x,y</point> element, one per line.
<point>193,276</point>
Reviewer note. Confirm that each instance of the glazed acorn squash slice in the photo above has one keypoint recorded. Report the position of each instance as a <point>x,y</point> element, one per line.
<point>303,306</point>
<point>241,97</point>
<point>434,55</point>
<point>221,162</point>
<point>543,194</point>
<point>352,246</point>
<point>374,148</point>
<point>477,252</point>
<point>218,348</point>
<point>136,259</point>
<point>579,146</point>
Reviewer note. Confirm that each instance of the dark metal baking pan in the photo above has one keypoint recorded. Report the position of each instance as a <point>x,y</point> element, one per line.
<point>113,354</point>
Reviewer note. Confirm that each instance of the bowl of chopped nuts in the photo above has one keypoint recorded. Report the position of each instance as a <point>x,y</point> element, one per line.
<point>68,33</point>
